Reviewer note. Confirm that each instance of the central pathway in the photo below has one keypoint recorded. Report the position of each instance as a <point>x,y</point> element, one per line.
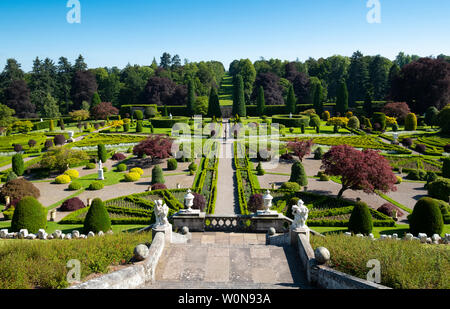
<point>227,198</point>
<point>228,261</point>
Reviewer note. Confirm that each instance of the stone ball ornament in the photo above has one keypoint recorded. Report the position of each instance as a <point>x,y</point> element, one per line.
<point>322,255</point>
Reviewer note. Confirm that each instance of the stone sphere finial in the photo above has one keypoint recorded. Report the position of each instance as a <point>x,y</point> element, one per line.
<point>322,255</point>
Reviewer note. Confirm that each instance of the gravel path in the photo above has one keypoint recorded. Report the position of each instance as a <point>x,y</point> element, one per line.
<point>226,201</point>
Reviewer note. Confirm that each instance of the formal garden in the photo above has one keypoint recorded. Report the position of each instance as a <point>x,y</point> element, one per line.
<point>369,161</point>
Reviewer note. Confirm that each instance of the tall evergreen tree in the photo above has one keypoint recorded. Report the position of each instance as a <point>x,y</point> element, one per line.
<point>368,102</point>
<point>80,65</point>
<point>358,77</point>
<point>260,101</point>
<point>318,99</point>
<point>191,97</point>
<point>95,100</point>
<point>291,102</point>
<point>239,97</point>
<point>64,78</point>
<point>214,104</point>
<point>342,99</point>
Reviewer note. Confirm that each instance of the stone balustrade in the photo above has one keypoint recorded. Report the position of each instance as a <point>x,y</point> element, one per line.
<point>43,235</point>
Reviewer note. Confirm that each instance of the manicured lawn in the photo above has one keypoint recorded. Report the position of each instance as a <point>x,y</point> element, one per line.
<point>111,178</point>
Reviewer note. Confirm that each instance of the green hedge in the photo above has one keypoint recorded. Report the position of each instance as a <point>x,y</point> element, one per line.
<point>296,121</point>
<point>167,123</point>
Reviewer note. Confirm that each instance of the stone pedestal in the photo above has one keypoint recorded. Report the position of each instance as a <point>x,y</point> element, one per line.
<point>294,235</point>
<point>167,230</point>
<point>194,220</point>
<point>262,222</point>
<point>100,175</point>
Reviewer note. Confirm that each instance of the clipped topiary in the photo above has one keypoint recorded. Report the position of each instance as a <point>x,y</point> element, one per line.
<point>411,122</point>
<point>138,170</point>
<point>259,170</point>
<point>360,220</point>
<point>75,186</point>
<point>290,203</point>
<point>291,186</point>
<point>426,218</point>
<point>97,219</point>
<point>102,153</point>
<point>18,165</point>
<point>63,179</point>
<point>298,174</point>
<point>138,115</point>
<point>380,118</point>
<point>29,214</point>
<point>417,175</point>
<point>192,167</point>
<point>132,177</point>
<point>157,175</point>
<point>440,189</point>
<point>353,123</point>
<point>139,127</point>
<point>72,204</point>
<point>96,185</point>
<point>407,142</point>
<point>73,174</point>
<point>18,188</point>
<point>158,186</point>
<point>318,153</point>
<point>121,167</point>
<point>255,203</point>
<point>172,164</point>
<point>118,156</point>
<point>389,210</point>
<point>90,166</point>
<point>59,140</point>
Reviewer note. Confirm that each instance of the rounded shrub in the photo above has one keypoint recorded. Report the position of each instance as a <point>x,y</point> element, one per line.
<point>255,203</point>
<point>411,122</point>
<point>259,169</point>
<point>287,157</point>
<point>138,115</point>
<point>199,201</point>
<point>157,175</point>
<point>97,218</point>
<point>380,118</point>
<point>399,180</point>
<point>29,214</point>
<point>389,210</point>
<point>417,175</point>
<point>318,153</point>
<point>73,174</point>
<point>353,123</point>
<point>150,112</point>
<point>90,166</point>
<point>96,185</point>
<point>360,220</point>
<point>139,127</point>
<point>298,174</point>
<point>63,179</point>
<point>18,148</point>
<point>440,189</point>
<point>421,148</point>
<point>132,177</point>
<point>31,143</point>
<point>291,186</point>
<point>159,186</point>
<point>18,188</point>
<point>192,167</point>
<point>426,218</point>
<point>75,186</point>
<point>172,164</point>
<point>118,156</point>
<point>59,140</point>
<point>48,144</point>
<point>137,170</point>
<point>18,165</point>
<point>324,177</point>
<point>407,142</point>
<point>72,204</point>
<point>326,116</point>
<point>121,167</point>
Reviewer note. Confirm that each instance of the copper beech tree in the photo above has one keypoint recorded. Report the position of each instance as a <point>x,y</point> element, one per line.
<point>300,148</point>
<point>365,170</point>
<point>155,146</point>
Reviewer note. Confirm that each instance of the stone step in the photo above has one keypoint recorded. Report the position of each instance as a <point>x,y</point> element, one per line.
<point>220,285</point>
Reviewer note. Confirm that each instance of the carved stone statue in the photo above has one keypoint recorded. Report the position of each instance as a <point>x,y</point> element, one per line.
<point>161,212</point>
<point>300,212</point>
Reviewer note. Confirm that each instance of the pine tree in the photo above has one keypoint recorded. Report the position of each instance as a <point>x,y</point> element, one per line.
<point>342,99</point>
<point>191,97</point>
<point>261,101</point>
<point>239,97</point>
<point>291,103</point>
<point>214,104</point>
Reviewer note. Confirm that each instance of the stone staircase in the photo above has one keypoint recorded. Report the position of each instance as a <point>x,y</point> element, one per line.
<point>228,261</point>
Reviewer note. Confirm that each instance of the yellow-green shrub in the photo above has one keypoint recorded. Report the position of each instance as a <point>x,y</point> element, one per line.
<point>63,179</point>
<point>137,170</point>
<point>132,177</point>
<point>73,174</point>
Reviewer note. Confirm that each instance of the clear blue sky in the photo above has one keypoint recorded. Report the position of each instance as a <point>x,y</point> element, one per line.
<point>117,32</point>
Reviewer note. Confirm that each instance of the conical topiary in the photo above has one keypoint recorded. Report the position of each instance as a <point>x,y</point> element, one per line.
<point>157,175</point>
<point>426,217</point>
<point>18,165</point>
<point>360,220</point>
<point>102,153</point>
<point>298,174</point>
<point>29,214</point>
<point>97,218</point>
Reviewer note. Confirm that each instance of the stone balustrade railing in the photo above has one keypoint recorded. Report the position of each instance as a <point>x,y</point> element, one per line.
<point>423,238</point>
<point>42,235</point>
